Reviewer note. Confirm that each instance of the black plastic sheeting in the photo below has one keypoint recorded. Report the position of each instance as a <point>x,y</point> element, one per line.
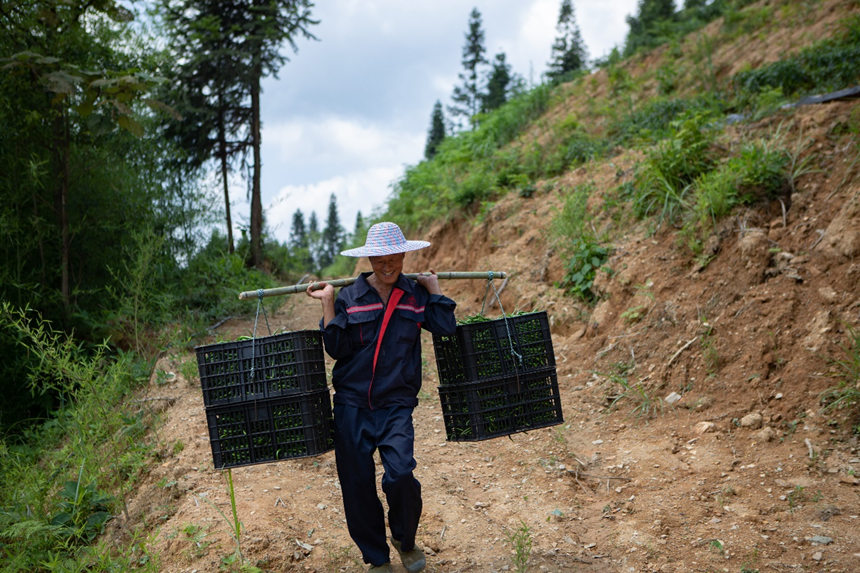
<point>847,93</point>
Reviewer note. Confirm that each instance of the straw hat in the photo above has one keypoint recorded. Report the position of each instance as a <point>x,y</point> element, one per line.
<point>385,239</point>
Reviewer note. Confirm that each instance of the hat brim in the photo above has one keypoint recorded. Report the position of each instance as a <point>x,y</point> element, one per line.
<point>366,251</point>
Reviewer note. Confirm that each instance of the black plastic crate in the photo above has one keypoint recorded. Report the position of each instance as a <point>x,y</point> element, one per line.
<point>284,364</point>
<point>502,406</point>
<point>270,430</point>
<point>486,350</point>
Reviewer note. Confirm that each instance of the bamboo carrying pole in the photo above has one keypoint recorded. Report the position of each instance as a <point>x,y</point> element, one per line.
<point>302,287</point>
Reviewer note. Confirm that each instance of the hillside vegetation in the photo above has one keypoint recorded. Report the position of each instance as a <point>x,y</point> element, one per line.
<point>692,229</point>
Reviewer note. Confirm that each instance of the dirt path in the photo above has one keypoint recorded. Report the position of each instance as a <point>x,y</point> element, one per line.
<point>598,493</point>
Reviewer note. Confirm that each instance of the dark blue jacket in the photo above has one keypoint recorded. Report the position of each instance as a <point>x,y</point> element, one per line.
<point>350,338</point>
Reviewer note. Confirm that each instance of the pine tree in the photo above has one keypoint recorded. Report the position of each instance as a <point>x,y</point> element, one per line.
<point>359,232</point>
<point>568,50</point>
<point>298,241</point>
<point>206,90</point>
<point>466,97</point>
<point>332,236</point>
<point>273,22</point>
<point>437,131</point>
<point>244,43</point>
<point>498,84</point>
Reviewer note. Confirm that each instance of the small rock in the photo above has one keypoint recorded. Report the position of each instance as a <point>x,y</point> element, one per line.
<point>849,480</point>
<point>828,294</point>
<point>672,398</point>
<point>705,427</point>
<point>766,434</point>
<point>817,556</point>
<point>752,421</point>
<point>820,540</point>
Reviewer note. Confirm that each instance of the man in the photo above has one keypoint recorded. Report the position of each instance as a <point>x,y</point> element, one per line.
<point>372,330</point>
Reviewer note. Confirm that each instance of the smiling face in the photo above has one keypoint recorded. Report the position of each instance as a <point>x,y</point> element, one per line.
<point>387,268</point>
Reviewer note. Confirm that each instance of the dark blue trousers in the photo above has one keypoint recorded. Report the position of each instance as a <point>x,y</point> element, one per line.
<point>359,432</point>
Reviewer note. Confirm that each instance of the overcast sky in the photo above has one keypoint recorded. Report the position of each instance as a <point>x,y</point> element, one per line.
<point>349,112</point>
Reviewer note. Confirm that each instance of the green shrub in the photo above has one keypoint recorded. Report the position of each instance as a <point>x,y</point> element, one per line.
<point>664,180</point>
<point>569,223</point>
<point>213,281</point>
<point>588,256</point>
<point>758,172</point>
<point>830,64</point>
<point>846,371</point>
<point>655,119</point>
<point>69,471</point>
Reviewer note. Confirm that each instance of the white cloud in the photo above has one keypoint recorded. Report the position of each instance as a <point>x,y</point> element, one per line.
<point>355,191</point>
<point>352,110</point>
<point>310,149</point>
<point>531,50</point>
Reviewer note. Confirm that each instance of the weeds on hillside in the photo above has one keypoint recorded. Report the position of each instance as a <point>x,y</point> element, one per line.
<point>578,243</point>
<point>657,118</point>
<point>63,495</point>
<point>846,371</point>
<point>758,172</point>
<point>826,65</point>
<point>473,166</point>
<point>664,180</point>
<point>521,541</point>
<point>644,403</point>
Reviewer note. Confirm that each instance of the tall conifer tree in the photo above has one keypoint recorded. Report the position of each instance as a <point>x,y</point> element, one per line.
<point>568,50</point>
<point>251,34</point>
<point>273,23</point>
<point>206,90</point>
<point>498,84</point>
<point>467,96</point>
<point>437,131</point>
<point>299,242</point>
<point>332,236</point>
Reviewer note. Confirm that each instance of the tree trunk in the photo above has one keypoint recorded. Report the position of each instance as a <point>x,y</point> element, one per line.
<point>256,200</point>
<point>62,146</point>
<point>222,154</point>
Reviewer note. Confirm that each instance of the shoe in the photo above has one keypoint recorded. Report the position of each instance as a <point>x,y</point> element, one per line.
<point>413,559</point>
<point>384,568</point>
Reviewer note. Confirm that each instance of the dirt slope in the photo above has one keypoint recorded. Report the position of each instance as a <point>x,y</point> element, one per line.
<point>744,472</point>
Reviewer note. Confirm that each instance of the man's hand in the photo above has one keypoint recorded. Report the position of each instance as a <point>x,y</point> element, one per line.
<point>323,292</point>
<point>430,282</point>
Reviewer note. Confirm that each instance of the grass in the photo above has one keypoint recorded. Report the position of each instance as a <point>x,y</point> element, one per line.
<point>827,65</point>
<point>663,182</point>
<point>521,543</point>
<point>710,353</point>
<point>845,370</point>
<point>73,471</point>
<point>643,403</point>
